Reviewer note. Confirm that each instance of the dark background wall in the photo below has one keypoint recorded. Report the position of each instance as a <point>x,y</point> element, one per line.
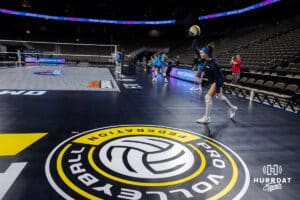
<point>186,13</point>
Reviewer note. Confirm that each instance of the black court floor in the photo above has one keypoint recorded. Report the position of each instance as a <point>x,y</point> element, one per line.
<point>144,143</point>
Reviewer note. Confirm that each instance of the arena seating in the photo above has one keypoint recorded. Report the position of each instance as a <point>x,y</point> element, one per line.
<point>262,46</point>
<point>270,62</point>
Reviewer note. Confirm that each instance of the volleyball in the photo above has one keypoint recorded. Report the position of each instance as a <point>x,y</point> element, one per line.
<point>194,30</point>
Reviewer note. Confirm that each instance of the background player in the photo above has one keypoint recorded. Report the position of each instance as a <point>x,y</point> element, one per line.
<point>199,75</point>
<point>158,62</point>
<point>236,68</point>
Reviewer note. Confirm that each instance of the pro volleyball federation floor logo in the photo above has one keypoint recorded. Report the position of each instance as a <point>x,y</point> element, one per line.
<point>138,162</point>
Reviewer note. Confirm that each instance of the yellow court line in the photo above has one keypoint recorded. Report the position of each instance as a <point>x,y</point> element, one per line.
<point>67,181</point>
<point>233,180</point>
<point>152,184</point>
<point>13,143</point>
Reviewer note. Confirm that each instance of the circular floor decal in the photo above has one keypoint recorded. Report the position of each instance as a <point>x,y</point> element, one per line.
<point>145,162</point>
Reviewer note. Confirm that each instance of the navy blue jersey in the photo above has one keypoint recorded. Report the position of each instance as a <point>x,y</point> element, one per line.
<point>211,67</point>
<point>213,73</point>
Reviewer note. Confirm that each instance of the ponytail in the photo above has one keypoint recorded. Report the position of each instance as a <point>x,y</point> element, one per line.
<point>211,48</point>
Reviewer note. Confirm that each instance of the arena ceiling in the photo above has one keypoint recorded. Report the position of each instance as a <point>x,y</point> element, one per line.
<point>120,9</point>
<point>184,12</point>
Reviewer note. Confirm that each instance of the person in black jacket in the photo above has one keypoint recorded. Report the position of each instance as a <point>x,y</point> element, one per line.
<point>216,79</point>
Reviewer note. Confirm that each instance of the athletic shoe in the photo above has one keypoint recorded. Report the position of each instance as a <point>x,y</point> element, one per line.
<point>232,111</point>
<point>166,80</point>
<point>154,79</point>
<point>193,88</point>
<point>204,120</point>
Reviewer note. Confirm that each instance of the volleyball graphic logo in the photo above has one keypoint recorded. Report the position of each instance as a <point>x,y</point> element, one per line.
<point>145,162</point>
<point>146,157</point>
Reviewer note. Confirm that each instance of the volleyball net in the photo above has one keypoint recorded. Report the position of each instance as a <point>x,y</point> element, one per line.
<point>55,52</point>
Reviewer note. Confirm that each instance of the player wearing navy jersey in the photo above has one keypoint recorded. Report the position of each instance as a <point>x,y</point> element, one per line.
<point>216,79</point>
